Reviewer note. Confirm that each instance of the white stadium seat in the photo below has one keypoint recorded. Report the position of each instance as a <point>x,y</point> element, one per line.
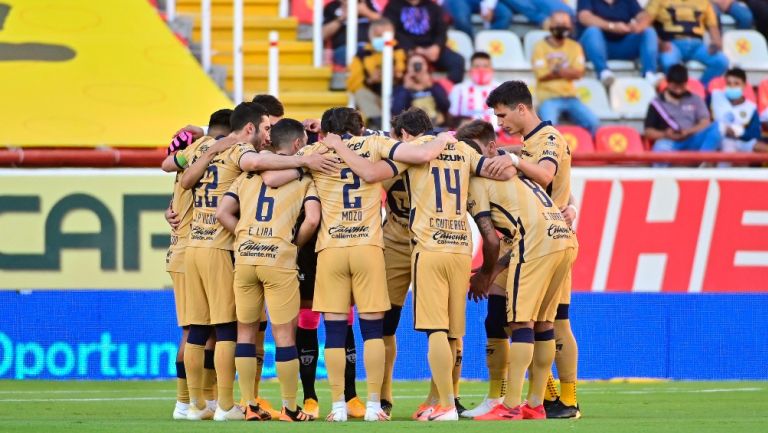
<point>531,38</point>
<point>504,47</point>
<point>593,95</point>
<point>461,43</point>
<point>746,49</point>
<point>630,97</point>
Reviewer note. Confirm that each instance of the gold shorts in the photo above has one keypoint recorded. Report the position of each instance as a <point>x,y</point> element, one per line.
<point>440,285</point>
<point>351,274</point>
<point>565,290</point>
<point>174,259</point>
<point>179,297</point>
<point>397,258</point>
<point>534,287</point>
<point>278,286</point>
<point>210,296</point>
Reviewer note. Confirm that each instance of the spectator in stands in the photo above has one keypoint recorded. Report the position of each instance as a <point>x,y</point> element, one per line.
<point>418,90</point>
<point>679,120</point>
<point>739,11</point>
<point>618,30</point>
<point>557,62</point>
<point>335,26</point>
<point>736,116</point>
<point>468,97</point>
<point>421,29</point>
<point>495,15</point>
<point>759,9</point>
<point>681,25</point>
<point>537,11</point>
<point>364,80</point>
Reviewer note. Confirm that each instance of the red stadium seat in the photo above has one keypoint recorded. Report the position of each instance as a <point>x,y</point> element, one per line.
<point>762,95</point>
<point>579,139</point>
<point>618,139</point>
<point>694,86</point>
<point>719,84</point>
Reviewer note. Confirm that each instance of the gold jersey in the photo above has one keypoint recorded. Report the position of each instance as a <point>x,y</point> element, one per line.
<point>524,214</point>
<point>264,234</point>
<point>546,143</point>
<point>438,198</point>
<point>682,18</point>
<point>351,206</point>
<point>547,58</point>
<point>181,202</point>
<point>205,230</point>
<point>397,208</point>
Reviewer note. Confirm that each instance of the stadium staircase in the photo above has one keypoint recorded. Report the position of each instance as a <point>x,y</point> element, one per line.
<point>303,88</point>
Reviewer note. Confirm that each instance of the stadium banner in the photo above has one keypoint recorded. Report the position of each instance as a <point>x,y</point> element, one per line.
<point>132,334</point>
<point>639,229</point>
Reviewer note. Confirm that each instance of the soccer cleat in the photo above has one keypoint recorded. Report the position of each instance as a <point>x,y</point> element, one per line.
<point>295,416</point>
<point>530,412</point>
<point>355,408</point>
<point>386,406</point>
<point>312,407</point>
<point>267,406</point>
<point>424,410</point>
<point>233,414</point>
<point>444,414</point>
<point>212,404</point>
<point>459,407</point>
<point>502,413</point>
<point>254,412</point>
<point>180,411</point>
<point>195,414</point>
<point>483,408</point>
<point>374,412</point>
<point>559,410</point>
<point>338,412</point>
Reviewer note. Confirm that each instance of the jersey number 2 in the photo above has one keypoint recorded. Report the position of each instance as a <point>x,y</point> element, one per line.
<point>351,202</point>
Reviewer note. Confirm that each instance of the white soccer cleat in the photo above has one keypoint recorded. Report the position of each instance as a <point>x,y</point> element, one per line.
<point>195,414</point>
<point>212,405</point>
<point>338,412</point>
<point>374,412</point>
<point>234,414</point>
<point>483,408</point>
<point>180,411</point>
<point>441,414</point>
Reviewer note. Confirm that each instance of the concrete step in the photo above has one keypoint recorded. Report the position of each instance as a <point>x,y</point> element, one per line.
<point>225,7</point>
<point>292,78</point>
<point>256,52</point>
<point>254,28</point>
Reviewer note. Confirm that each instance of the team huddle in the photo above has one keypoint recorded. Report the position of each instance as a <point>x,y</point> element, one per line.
<point>269,228</point>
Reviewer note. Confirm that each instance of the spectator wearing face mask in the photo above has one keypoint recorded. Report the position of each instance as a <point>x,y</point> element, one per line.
<point>420,91</point>
<point>557,62</point>
<point>737,117</point>
<point>468,97</point>
<point>364,80</point>
<point>679,120</point>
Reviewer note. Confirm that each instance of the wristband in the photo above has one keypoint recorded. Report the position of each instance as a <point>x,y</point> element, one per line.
<point>515,159</point>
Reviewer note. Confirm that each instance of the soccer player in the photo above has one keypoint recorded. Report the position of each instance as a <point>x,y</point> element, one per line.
<point>263,220</point>
<point>546,160</point>
<point>179,216</point>
<point>542,250</point>
<point>208,262</point>
<point>437,183</point>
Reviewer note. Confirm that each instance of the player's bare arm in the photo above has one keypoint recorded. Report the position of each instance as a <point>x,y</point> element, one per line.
<point>312,213</point>
<point>498,168</point>
<point>227,213</point>
<point>253,161</point>
<point>425,153</point>
<point>369,171</point>
<point>195,172</point>
<point>542,172</point>
<point>172,217</point>
<point>169,164</point>
<point>570,212</point>
<point>479,283</point>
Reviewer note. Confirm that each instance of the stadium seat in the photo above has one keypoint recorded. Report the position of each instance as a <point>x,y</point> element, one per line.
<point>504,47</point>
<point>461,43</point>
<point>531,38</point>
<point>762,95</point>
<point>592,94</point>
<point>579,139</point>
<point>719,84</point>
<point>618,139</point>
<point>630,97</point>
<point>694,86</point>
<point>746,49</point>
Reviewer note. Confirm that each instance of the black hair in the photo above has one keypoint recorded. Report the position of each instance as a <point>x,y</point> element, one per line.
<point>737,73</point>
<point>476,130</point>
<point>273,105</point>
<point>414,121</point>
<point>479,55</point>
<point>284,132</point>
<point>342,120</point>
<point>245,113</point>
<point>510,93</point>
<point>678,74</point>
<point>473,144</point>
<point>220,118</point>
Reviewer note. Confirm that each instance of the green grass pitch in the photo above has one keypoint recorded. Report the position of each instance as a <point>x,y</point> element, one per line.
<point>138,406</point>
